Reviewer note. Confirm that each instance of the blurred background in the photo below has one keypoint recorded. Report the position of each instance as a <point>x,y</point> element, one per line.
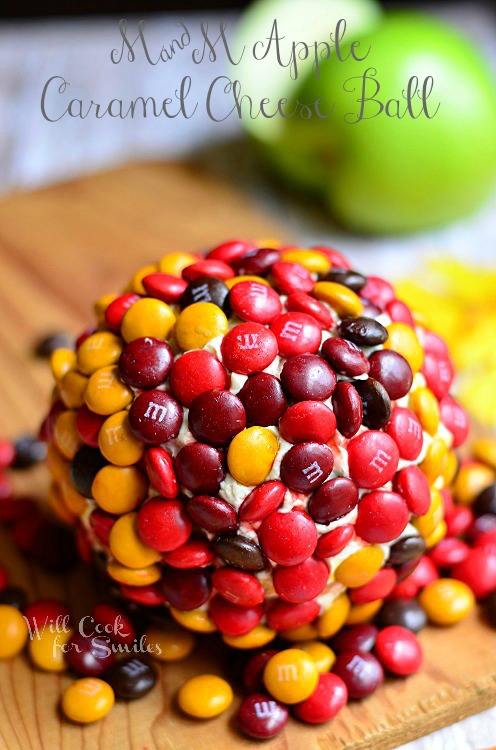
<point>414,200</point>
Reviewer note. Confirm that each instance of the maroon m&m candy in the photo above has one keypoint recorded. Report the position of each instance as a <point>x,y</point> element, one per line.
<point>164,524</point>
<point>215,417</point>
<point>253,671</point>
<point>356,638</point>
<point>256,262</point>
<point>186,589</point>
<point>406,431</point>
<point>333,499</point>
<point>146,362</point>
<point>398,650</point>
<point>212,513</point>
<point>327,700</point>
<point>255,302</point>
<point>308,377</point>
<point>296,333</point>
<point>345,357</point>
<point>373,459</point>
<point>360,671</point>
<point>382,516</point>
<point>302,582</point>
<point>348,409</point>
<point>261,717</point>
<point>392,371</point>
<point>199,467</point>
<point>288,538</point>
<point>155,417</point>
<point>196,372</point>
<point>248,348</point>
<point>89,654</point>
<point>306,466</point>
<point>263,399</point>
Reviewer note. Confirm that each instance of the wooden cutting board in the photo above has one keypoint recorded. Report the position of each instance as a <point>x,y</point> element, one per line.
<point>60,248</point>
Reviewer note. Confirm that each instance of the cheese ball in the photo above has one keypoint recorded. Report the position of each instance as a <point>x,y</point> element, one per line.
<point>255,439</point>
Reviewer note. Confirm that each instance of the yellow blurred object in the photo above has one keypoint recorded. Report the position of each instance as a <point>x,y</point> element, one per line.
<point>457,301</point>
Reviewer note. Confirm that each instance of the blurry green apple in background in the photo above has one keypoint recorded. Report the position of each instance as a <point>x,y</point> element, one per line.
<point>307,21</point>
<point>386,174</point>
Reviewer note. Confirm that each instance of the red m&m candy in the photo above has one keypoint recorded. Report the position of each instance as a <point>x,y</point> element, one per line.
<point>398,650</point>
<point>160,469</point>
<point>327,700</point>
<point>196,372</point>
<point>302,582</point>
<point>382,516</point>
<point>301,302</point>
<point>291,277</point>
<point>262,501</point>
<point>255,302</point>
<point>373,459</point>
<point>307,421</point>
<point>296,333</point>
<point>238,587</point>
<point>288,538</point>
<point>412,484</point>
<point>248,348</point>
<point>163,524</point>
<point>406,431</point>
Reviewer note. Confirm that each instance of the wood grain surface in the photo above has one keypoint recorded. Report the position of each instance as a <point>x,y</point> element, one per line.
<point>60,248</point>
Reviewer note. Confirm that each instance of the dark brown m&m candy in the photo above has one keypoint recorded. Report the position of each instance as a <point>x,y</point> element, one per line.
<point>240,552</point>
<point>363,331</point>
<point>131,678</point>
<point>206,289</point>
<point>84,467</point>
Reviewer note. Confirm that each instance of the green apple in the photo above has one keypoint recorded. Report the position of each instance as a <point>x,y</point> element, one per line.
<point>310,22</point>
<point>409,166</point>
